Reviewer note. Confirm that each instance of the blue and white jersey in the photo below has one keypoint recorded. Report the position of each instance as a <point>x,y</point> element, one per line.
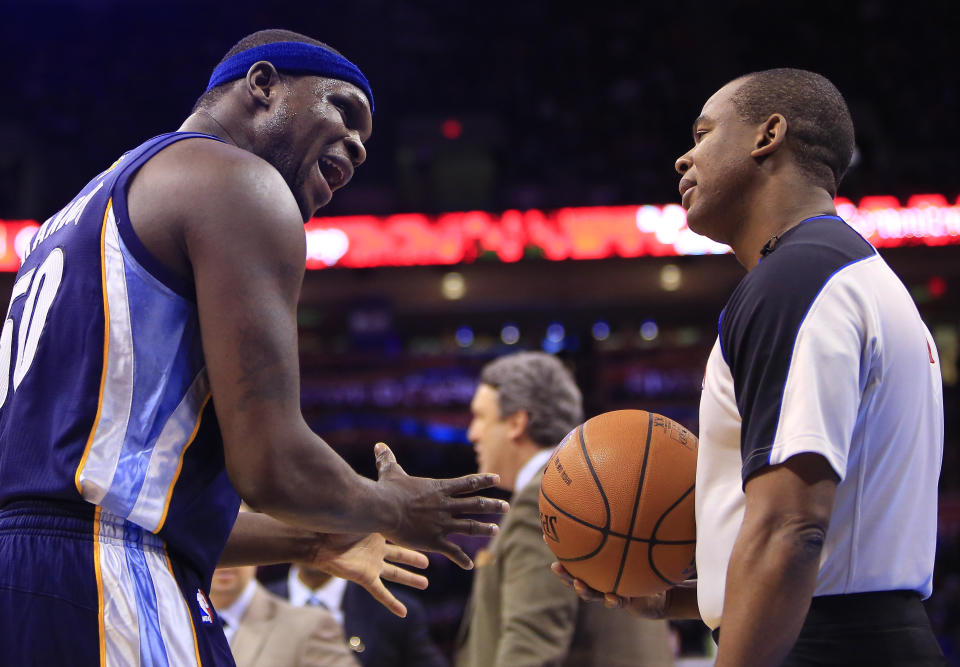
<point>822,350</point>
<point>104,395</point>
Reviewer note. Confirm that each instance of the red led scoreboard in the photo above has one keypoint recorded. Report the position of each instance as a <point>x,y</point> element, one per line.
<point>414,239</point>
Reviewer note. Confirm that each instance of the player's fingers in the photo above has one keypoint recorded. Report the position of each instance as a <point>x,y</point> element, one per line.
<point>455,554</point>
<point>385,458</point>
<point>561,572</point>
<point>382,595</point>
<point>478,505</point>
<point>469,483</point>
<point>471,527</point>
<point>398,575</point>
<point>404,556</point>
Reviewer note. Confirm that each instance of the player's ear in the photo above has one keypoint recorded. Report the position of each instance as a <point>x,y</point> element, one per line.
<point>770,136</point>
<point>262,82</point>
<point>517,424</point>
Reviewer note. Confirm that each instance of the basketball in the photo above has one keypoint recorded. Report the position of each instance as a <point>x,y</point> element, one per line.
<point>617,502</point>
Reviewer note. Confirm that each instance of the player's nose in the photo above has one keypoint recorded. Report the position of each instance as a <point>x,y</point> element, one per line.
<point>683,163</point>
<point>355,149</point>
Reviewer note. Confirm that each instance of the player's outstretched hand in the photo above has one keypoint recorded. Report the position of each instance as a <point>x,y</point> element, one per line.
<point>368,560</point>
<point>646,606</point>
<point>428,509</point>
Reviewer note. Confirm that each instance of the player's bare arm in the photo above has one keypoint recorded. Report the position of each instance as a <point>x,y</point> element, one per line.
<point>775,560</point>
<point>368,560</point>
<point>230,219</point>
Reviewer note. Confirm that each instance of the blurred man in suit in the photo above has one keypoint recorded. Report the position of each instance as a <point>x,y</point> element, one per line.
<point>377,637</point>
<point>265,631</point>
<point>520,614</point>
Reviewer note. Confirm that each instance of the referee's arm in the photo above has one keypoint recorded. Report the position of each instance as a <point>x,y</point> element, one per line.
<point>775,560</point>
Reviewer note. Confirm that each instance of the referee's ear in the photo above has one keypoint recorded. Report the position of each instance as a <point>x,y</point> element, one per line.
<point>771,135</point>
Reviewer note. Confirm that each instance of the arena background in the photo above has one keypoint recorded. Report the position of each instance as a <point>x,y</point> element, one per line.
<point>511,106</point>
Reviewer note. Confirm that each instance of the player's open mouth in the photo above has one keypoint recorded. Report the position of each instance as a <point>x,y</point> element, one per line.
<point>334,172</point>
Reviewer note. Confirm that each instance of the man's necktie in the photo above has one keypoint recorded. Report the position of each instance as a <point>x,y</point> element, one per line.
<point>314,601</point>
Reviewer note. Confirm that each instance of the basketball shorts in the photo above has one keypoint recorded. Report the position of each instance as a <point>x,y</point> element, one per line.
<point>82,587</point>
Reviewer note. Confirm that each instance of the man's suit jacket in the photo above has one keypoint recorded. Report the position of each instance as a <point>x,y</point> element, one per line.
<point>380,638</point>
<point>520,614</point>
<point>274,633</point>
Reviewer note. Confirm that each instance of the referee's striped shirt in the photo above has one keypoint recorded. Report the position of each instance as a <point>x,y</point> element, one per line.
<point>821,349</point>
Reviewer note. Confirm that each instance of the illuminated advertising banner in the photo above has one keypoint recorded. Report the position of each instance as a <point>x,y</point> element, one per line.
<point>599,232</point>
<point>586,233</point>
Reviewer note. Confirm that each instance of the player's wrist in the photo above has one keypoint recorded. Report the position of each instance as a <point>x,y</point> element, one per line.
<point>387,506</point>
<point>297,544</point>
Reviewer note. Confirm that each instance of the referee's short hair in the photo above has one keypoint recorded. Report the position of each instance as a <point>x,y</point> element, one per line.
<point>819,126</point>
<point>540,384</point>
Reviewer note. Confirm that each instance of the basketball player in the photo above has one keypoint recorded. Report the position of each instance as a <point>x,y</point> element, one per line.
<point>821,421</point>
<point>519,615</point>
<point>149,379</point>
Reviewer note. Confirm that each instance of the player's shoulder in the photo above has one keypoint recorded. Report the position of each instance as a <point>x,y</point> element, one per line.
<point>199,175</point>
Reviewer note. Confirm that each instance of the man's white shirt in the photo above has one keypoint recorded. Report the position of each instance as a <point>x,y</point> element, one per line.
<point>232,615</point>
<point>330,595</point>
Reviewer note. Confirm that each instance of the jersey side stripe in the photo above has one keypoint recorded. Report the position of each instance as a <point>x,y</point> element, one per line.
<point>166,459</point>
<point>183,451</point>
<point>116,389</point>
<point>106,349</point>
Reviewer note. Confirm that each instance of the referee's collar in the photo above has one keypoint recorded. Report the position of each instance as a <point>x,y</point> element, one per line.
<point>772,242</point>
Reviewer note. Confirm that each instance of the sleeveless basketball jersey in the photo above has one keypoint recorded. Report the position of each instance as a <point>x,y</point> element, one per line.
<point>104,395</point>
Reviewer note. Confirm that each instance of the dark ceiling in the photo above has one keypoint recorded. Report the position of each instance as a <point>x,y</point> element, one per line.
<point>560,104</point>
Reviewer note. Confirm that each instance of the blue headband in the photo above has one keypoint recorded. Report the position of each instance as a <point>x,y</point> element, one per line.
<point>292,57</point>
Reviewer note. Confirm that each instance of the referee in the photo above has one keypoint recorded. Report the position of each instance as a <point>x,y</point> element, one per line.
<point>821,420</point>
